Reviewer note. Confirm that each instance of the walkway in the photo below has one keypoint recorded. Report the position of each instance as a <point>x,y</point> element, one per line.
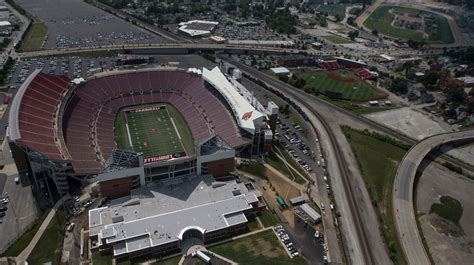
<point>27,251</point>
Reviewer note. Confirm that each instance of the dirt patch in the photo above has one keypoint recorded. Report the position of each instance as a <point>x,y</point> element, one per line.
<point>446,227</point>
<point>282,186</point>
<point>335,75</point>
<point>290,217</point>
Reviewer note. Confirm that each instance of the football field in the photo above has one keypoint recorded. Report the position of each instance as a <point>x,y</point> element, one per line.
<point>157,131</point>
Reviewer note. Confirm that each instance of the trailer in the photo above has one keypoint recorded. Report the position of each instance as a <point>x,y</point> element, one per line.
<point>202,256</point>
<point>281,202</point>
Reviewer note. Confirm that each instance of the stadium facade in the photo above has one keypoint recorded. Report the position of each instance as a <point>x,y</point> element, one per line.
<point>60,130</point>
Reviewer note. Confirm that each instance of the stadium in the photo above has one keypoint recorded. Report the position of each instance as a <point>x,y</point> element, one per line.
<point>133,127</point>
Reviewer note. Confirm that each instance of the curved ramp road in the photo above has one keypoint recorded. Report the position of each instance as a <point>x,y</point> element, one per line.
<point>403,211</point>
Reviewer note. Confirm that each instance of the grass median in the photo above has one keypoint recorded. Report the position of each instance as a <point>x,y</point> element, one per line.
<point>379,160</point>
<point>49,245</point>
<point>22,242</point>
<point>34,37</point>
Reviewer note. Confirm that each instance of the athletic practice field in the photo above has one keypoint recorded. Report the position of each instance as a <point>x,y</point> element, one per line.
<point>405,23</point>
<point>157,130</point>
<point>339,81</point>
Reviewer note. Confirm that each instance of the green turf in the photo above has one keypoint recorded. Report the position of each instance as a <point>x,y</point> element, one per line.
<point>379,162</point>
<point>268,218</point>
<point>21,243</point>
<point>153,132</point>
<point>34,37</point>
<point>448,208</point>
<point>381,20</point>
<point>336,39</point>
<point>48,247</point>
<point>262,248</point>
<point>320,81</point>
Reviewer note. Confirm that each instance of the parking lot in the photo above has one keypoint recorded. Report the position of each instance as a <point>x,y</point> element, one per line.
<point>74,23</point>
<point>246,32</point>
<point>302,240</point>
<point>17,203</point>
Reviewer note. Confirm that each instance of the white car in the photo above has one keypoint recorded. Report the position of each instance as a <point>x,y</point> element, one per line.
<point>295,254</point>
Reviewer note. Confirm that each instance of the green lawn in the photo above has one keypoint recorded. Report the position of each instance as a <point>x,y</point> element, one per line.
<point>378,161</point>
<point>268,218</point>
<point>320,81</point>
<point>21,243</point>
<point>277,164</point>
<point>381,20</point>
<point>254,168</point>
<point>448,208</point>
<point>34,37</point>
<point>262,248</point>
<point>153,132</point>
<point>98,259</point>
<point>336,39</point>
<point>170,261</point>
<point>252,223</point>
<point>49,244</point>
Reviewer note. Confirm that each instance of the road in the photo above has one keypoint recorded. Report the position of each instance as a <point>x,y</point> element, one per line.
<point>403,211</point>
<point>172,47</point>
<point>319,193</point>
<point>359,246</point>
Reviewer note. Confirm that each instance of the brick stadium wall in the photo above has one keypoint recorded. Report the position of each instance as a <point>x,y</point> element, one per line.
<point>116,188</point>
<point>222,167</point>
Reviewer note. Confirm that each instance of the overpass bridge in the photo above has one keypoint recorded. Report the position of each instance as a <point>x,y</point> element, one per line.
<point>163,48</point>
<point>403,202</point>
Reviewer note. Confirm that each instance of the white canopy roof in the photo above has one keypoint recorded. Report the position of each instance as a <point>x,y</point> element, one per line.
<point>247,116</point>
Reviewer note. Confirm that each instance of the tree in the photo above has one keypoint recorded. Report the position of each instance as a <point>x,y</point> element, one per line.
<point>470,107</point>
<point>407,66</point>
<point>399,85</point>
<point>375,32</point>
<point>455,95</point>
<point>353,34</point>
<point>430,78</point>
<point>308,89</point>
<point>350,20</point>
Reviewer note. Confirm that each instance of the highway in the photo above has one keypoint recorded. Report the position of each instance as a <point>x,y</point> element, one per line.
<point>403,211</point>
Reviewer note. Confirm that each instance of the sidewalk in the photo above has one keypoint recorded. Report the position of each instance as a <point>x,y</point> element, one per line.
<point>27,251</point>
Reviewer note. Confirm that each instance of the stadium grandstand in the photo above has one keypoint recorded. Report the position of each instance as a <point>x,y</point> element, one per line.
<point>170,122</point>
<point>357,67</point>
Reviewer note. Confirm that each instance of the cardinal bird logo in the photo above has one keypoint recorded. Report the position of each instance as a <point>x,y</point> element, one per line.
<point>247,115</point>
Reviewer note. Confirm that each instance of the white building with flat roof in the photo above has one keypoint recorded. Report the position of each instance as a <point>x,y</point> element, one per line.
<point>159,218</point>
<point>248,118</point>
<point>197,28</point>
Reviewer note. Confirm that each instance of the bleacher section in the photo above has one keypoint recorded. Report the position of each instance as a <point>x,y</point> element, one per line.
<point>37,111</point>
<point>359,71</point>
<point>90,120</point>
<point>364,73</point>
<point>331,65</point>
